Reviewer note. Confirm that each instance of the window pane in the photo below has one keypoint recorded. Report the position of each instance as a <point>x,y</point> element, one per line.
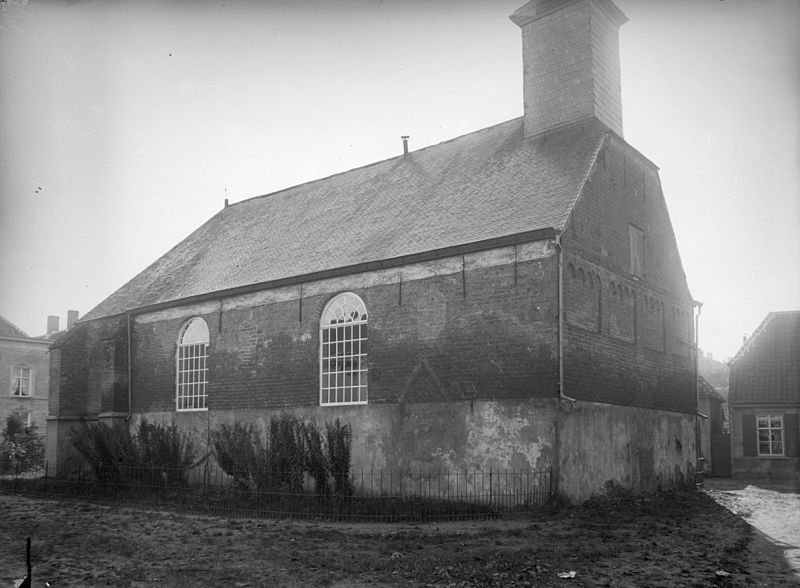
<point>775,422</point>
<point>342,339</point>
<point>763,421</point>
<point>192,366</point>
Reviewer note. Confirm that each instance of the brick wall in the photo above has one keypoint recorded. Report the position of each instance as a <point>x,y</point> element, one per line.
<point>629,338</point>
<point>91,369</point>
<point>478,327</point>
<point>623,189</point>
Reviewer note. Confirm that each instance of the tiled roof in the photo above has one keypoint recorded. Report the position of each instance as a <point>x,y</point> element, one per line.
<point>487,184</point>
<point>8,329</point>
<point>767,368</point>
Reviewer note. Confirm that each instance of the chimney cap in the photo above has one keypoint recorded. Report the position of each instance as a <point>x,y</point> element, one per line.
<point>536,9</point>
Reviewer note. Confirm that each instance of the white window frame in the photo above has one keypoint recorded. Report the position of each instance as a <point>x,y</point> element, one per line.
<point>770,430</point>
<point>191,367</point>
<point>17,378</point>
<point>343,351</point>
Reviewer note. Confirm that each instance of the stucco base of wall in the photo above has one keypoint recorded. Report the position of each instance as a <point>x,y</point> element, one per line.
<point>59,452</point>
<point>640,450</point>
<point>477,435</point>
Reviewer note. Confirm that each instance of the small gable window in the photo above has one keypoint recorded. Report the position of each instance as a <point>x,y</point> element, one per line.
<point>343,351</point>
<point>192,366</point>
<point>770,434</point>
<point>21,381</point>
<point>637,251</point>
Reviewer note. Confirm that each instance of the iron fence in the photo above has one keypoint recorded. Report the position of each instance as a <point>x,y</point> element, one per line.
<point>377,495</point>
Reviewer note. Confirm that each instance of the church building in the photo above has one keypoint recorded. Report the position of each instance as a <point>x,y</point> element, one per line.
<point>510,298</point>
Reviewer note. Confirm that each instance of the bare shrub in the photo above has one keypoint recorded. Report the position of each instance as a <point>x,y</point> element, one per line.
<point>161,452</point>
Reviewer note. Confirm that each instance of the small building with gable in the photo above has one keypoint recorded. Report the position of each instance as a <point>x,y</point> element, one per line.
<point>764,400</point>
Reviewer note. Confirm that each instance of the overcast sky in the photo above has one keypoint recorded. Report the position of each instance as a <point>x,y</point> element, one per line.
<point>125,125</point>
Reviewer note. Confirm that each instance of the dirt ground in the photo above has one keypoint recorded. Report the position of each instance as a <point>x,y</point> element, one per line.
<point>682,539</point>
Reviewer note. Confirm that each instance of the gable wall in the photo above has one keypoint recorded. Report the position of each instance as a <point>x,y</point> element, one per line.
<point>88,380</point>
<point>622,189</point>
<point>628,340</point>
<point>89,370</point>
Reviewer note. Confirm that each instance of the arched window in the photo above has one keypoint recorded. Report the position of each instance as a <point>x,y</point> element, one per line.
<point>343,351</point>
<point>192,366</point>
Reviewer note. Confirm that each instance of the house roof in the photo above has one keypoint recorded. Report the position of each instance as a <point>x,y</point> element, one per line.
<point>9,329</point>
<point>480,186</point>
<point>708,391</point>
<point>767,367</point>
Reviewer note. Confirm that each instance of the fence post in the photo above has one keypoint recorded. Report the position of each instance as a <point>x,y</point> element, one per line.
<point>46,468</point>
<point>491,488</point>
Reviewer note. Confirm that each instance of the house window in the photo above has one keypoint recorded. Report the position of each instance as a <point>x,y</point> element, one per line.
<point>636,236</point>
<point>192,366</point>
<point>343,351</point>
<point>769,429</point>
<point>21,381</point>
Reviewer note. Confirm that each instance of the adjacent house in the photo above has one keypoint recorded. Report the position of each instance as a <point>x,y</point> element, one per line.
<point>25,373</point>
<point>513,298</point>
<point>764,400</point>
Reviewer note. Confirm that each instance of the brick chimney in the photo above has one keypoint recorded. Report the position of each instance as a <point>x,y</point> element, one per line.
<point>72,318</point>
<point>570,56</point>
<point>52,324</point>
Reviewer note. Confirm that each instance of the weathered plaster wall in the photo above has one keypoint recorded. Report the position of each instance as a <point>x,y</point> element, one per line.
<point>400,439</point>
<point>603,446</point>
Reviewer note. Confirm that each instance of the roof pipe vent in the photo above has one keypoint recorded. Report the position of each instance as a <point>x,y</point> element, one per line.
<point>405,144</point>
